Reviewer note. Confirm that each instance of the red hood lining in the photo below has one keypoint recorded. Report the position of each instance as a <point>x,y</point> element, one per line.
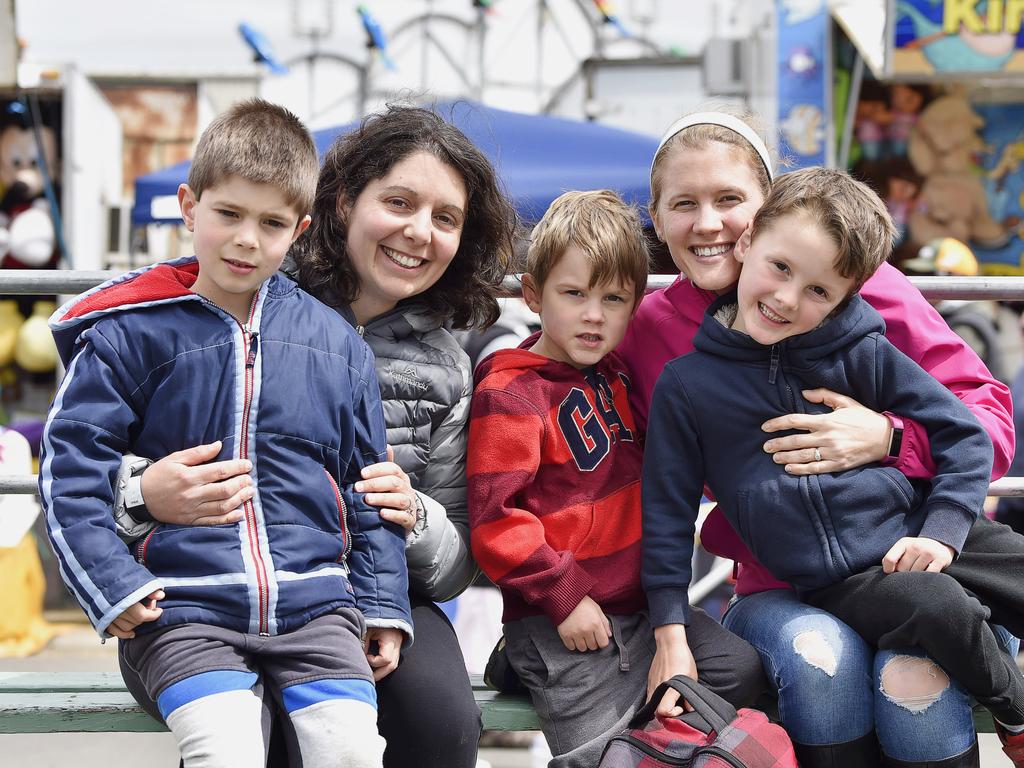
<point>160,282</point>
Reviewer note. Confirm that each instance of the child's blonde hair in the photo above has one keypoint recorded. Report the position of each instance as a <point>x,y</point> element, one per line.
<point>262,143</point>
<point>850,212</point>
<point>601,225</point>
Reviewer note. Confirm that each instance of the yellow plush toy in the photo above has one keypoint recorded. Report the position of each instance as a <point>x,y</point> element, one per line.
<point>23,630</point>
<point>35,351</point>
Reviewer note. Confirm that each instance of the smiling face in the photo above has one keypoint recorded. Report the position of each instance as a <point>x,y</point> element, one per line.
<point>707,198</point>
<point>242,232</point>
<point>403,231</point>
<point>789,283</point>
<point>579,324</point>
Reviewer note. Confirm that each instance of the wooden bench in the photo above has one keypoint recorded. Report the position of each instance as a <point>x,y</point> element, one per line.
<point>54,702</point>
<point>97,702</point>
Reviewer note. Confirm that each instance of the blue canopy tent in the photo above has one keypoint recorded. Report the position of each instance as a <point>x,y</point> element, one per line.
<point>537,157</point>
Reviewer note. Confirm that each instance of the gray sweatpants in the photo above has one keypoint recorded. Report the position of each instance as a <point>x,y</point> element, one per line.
<point>583,699</point>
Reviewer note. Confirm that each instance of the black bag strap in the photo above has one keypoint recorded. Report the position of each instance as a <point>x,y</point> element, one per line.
<point>714,710</point>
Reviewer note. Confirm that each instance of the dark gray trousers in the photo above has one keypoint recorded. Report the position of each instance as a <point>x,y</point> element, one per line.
<point>583,699</point>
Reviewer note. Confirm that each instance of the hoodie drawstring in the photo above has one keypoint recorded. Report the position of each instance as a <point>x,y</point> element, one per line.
<point>617,637</point>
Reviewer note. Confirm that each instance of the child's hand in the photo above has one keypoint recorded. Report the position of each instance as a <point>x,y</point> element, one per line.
<point>918,553</point>
<point>672,657</point>
<point>382,647</point>
<point>139,613</point>
<point>586,628</point>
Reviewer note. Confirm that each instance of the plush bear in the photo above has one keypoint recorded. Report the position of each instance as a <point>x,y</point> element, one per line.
<point>954,205</point>
<point>945,137</point>
<point>952,202</point>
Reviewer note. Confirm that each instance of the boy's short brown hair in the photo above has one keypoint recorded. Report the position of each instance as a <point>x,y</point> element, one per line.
<point>849,211</point>
<point>601,225</point>
<point>262,143</point>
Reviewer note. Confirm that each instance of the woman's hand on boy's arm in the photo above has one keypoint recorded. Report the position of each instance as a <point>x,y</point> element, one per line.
<point>183,489</point>
<point>918,553</point>
<point>850,436</point>
<point>387,486</point>
<point>672,657</point>
<point>123,626</point>
<point>586,628</point>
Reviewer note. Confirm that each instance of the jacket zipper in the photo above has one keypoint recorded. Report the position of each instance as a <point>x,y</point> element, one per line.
<point>806,480</point>
<point>250,347</point>
<point>650,751</point>
<point>343,517</point>
<point>143,546</point>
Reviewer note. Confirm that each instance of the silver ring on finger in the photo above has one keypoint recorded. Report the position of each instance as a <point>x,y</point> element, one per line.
<point>817,454</point>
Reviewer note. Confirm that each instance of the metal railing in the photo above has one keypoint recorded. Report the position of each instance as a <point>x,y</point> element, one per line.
<point>29,282</point>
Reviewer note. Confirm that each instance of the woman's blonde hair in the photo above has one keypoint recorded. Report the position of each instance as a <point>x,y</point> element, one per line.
<point>698,137</point>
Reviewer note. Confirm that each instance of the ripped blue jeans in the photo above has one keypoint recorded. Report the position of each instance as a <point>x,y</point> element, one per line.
<point>833,687</point>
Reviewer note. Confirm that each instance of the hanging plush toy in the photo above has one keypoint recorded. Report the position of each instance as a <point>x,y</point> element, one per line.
<point>27,236</point>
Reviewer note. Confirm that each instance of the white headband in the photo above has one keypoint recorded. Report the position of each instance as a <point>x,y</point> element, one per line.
<point>724,120</point>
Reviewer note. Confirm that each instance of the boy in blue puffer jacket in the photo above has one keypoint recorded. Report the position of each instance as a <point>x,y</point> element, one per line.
<point>905,563</point>
<point>221,346</point>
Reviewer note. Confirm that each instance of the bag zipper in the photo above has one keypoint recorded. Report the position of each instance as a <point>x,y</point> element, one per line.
<point>728,757</point>
<point>650,751</point>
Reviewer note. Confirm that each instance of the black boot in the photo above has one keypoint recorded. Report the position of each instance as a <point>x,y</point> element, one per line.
<point>968,759</point>
<point>859,753</point>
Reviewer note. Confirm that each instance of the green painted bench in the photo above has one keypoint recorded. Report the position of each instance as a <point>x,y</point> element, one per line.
<point>54,702</point>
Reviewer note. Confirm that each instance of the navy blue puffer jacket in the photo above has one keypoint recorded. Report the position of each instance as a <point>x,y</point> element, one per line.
<point>153,368</point>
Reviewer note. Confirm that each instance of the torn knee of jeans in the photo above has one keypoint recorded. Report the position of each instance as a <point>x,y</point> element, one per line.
<point>813,647</point>
<point>912,682</point>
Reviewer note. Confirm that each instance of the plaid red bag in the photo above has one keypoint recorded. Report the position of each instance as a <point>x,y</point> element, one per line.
<point>714,735</point>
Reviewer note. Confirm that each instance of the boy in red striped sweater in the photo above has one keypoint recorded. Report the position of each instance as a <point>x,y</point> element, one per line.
<point>553,468</point>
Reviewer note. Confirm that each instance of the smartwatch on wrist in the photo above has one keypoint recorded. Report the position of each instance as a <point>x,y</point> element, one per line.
<point>895,440</point>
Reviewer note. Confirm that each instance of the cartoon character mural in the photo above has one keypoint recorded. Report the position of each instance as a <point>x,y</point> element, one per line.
<point>936,36</point>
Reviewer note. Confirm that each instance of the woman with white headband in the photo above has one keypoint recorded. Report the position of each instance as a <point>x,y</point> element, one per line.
<point>838,698</point>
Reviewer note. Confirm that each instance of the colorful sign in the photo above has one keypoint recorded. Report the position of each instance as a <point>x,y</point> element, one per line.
<point>804,72</point>
<point>957,37</point>
<point>1002,176</point>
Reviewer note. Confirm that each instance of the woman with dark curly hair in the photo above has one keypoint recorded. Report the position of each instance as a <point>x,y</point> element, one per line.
<point>411,235</point>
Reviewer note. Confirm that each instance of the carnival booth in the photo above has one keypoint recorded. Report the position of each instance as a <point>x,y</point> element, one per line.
<point>924,99</point>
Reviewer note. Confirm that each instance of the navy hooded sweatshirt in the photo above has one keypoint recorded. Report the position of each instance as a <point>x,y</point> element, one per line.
<point>705,427</point>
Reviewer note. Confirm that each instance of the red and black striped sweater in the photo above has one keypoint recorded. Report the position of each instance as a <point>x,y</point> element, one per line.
<point>553,469</point>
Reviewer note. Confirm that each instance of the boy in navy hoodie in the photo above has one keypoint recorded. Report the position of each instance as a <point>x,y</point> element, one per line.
<point>221,346</point>
<point>905,563</point>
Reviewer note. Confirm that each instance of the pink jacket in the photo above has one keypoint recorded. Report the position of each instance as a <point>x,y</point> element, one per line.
<point>664,327</point>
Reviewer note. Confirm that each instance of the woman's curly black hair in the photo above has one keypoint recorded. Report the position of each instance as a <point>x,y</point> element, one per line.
<point>464,294</point>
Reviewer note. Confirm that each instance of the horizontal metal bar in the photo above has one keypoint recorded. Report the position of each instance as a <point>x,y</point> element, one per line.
<point>51,281</point>
<point>1006,486</point>
<point>1000,288</point>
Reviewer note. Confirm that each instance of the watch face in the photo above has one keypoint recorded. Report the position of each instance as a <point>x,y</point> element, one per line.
<point>896,443</point>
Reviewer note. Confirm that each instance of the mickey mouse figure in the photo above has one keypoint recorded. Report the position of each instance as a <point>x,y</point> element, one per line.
<point>27,235</point>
